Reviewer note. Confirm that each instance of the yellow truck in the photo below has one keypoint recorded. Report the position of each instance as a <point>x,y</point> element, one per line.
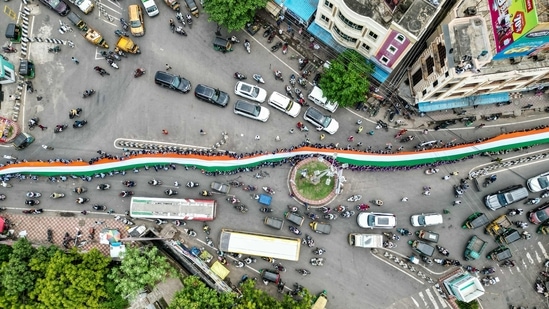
<point>499,225</point>
<point>126,44</point>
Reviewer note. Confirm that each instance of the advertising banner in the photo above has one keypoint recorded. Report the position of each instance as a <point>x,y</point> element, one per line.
<point>511,19</point>
<point>534,42</point>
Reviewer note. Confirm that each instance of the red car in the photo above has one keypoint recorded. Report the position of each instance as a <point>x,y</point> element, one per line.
<point>539,214</point>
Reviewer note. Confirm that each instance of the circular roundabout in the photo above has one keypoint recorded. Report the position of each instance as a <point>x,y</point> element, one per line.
<point>313,181</point>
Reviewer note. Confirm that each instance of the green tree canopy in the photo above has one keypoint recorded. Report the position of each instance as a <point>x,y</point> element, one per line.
<point>346,80</point>
<point>232,14</point>
<point>195,295</point>
<point>140,267</point>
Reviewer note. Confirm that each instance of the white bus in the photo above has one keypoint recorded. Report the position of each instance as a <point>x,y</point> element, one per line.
<point>173,209</point>
<point>256,244</point>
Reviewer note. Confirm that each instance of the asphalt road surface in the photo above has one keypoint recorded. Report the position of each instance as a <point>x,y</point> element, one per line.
<point>126,107</point>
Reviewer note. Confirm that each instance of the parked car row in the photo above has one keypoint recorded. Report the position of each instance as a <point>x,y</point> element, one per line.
<point>371,220</point>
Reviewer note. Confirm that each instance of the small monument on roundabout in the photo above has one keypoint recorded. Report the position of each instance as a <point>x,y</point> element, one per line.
<point>314,181</point>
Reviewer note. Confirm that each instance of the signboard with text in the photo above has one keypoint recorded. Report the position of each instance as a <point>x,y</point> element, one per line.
<point>534,42</point>
<point>511,19</point>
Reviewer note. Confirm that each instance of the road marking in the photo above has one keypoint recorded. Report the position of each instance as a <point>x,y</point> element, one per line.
<point>431,298</point>
<point>415,302</point>
<point>543,250</point>
<point>397,267</point>
<point>538,258</point>
<point>440,299</point>
<point>530,259</point>
<point>423,298</point>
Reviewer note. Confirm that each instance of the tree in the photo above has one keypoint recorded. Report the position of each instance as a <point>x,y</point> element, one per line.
<point>5,252</point>
<point>140,267</point>
<point>232,14</point>
<point>195,294</point>
<point>16,277</point>
<point>346,80</point>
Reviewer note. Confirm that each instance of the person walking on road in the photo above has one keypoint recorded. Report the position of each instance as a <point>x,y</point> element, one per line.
<point>164,131</point>
<point>202,132</point>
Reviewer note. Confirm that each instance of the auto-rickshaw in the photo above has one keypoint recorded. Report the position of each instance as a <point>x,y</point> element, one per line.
<point>222,45</point>
<point>191,6</point>
<point>93,36</point>
<point>173,4</point>
<point>321,301</point>
<point>13,32</point>
<point>26,68</point>
<point>77,21</point>
<point>126,44</point>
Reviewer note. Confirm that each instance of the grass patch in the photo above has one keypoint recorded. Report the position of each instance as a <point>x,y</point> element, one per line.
<point>308,189</point>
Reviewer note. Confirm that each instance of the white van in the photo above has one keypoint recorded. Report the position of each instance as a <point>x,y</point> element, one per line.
<point>284,104</point>
<point>150,7</point>
<point>319,99</point>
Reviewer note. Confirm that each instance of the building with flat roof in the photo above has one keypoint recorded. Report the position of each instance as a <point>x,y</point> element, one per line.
<point>464,287</point>
<point>483,53</point>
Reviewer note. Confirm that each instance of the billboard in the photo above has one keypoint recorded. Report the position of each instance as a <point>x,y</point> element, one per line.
<point>511,19</point>
<point>534,42</point>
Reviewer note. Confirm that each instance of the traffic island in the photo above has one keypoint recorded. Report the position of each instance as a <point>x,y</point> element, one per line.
<point>313,182</point>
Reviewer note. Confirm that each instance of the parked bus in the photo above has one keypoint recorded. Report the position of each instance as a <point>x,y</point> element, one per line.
<point>256,244</point>
<point>173,209</point>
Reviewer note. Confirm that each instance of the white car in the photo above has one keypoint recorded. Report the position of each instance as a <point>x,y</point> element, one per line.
<point>251,110</point>
<point>538,183</point>
<point>319,120</point>
<point>250,92</point>
<point>376,220</point>
<point>284,104</point>
<point>85,6</point>
<point>426,219</point>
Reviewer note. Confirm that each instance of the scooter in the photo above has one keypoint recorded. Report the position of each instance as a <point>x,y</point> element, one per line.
<point>515,212</point>
<point>138,72</point>
<point>243,209</point>
<point>56,195</point>
<point>179,30</point>
<point>103,186</point>
<point>284,48</point>
<point>247,46</point>
<point>54,49</point>
<point>79,123</point>
<point>533,201</point>
<point>269,190</point>
<point>121,33</point>
<point>258,78</point>
<point>265,209</point>
<point>278,75</point>
<point>125,24</point>
<point>190,20</point>
<point>239,76</point>
<point>155,182</point>
<point>317,261</point>
<point>192,184</point>
<point>303,271</point>
<point>88,93</point>
<point>31,194</point>
<point>179,17</point>
<point>294,230</point>
<point>354,198</point>
<point>275,47</point>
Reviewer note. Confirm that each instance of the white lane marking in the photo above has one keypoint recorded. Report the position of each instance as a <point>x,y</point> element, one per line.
<point>440,299</point>
<point>530,259</point>
<point>415,302</point>
<point>431,298</point>
<point>423,298</point>
<point>543,250</point>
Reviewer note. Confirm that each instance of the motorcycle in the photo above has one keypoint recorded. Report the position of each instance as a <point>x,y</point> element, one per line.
<point>233,39</point>
<point>247,46</point>
<point>294,230</point>
<point>79,190</point>
<point>404,232</point>
<point>88,93</point>
<point>269,190</point>
<point>317,261</point>
<point>243,209</point>
<point>289,92</point>
<point>488,270</point>
<point>303,271</point>
<point>271,37</point>
<point>293,209</point>
<point>31,194</point>
<point>103,186</point>
<point>472,270</point>
<point>206,229</point>
<point>192,184</point>
<point>206,193</point>
<point>79,123</point>
<point>389,245</point>
<point>489,180</point>
<point>124,24</point>
<point>238,264</point>
<point>278,75</point>
<point>233,200</point>
<point>56,49</point>
<point>266,209</point>
<point>82,200</point>
<point>302,82</point>
<point>155,182</point>
<point>533,201</point>
<point>443,251</point>
<point>112,63</point>
<point>268,259</point>
<point>275,47</point>
<point>319,251</point>
<point>190,21</point>
<point>55,195</point>
<point>101,71</point>
<point>239,76</point>
<point>121,33</point>
<point>377,202</point>
<point>354,198</point>
<point>330,216</point>
<point>249,188</point>
<point>292,80</point>
<point>302,63</point>
<point>362,207</point>
<point>138,72</point>
<point>544,194</point>
<point>125,193</point>
<point>268,31</point>
<point>129,183</point>
<point>284,48</point>
<point>179,30</point>
<point>308,240</point>
<point>299,93</point>
<point>9,48</point>
<point>515,212</point>
<point>170,192</point>
<point>325,210</point>
<point>33,211</point>
<point>432,171</point>
<point>209,242</point>
<point>279,268</point>
<point>258,78</point>
<point>520,224</point>
<point>33,122</point>
<point>99,207</point>
<point>179,17</point>
<point>340,208</point>
<point>508,263</point>
<point>489,280</point>
<point>32,202</point>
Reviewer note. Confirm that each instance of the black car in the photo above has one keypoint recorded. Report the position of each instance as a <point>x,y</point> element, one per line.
<point>58,6</point>
<point>173,82</point>
<point>211,95</point>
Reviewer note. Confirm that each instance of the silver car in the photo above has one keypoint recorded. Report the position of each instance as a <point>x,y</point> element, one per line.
<point>250,92</point>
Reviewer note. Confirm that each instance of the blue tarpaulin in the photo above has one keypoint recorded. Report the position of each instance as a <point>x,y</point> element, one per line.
<point>482,99</point>
<point>302,8</point>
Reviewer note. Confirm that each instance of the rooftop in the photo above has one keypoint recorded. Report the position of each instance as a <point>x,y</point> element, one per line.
<point>412,15</point>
